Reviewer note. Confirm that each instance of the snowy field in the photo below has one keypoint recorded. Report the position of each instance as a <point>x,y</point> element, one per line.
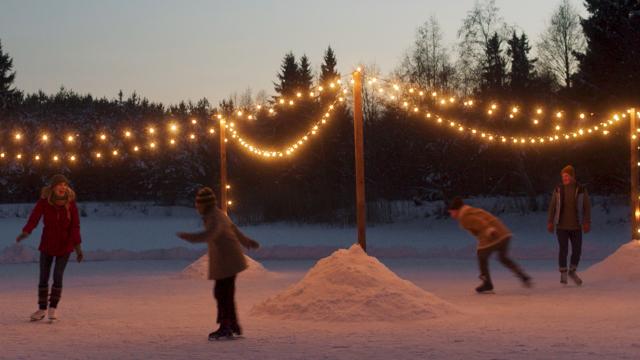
<point>142,231</point>
<point>144,309</point>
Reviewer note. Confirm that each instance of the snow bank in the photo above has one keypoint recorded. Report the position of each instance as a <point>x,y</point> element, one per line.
<point>349,285</point>
<point>16,254</point>
<point>624,264</point>
<point>200,269</point>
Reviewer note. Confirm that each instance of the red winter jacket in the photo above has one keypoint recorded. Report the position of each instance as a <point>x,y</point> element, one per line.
<point>61,231</point>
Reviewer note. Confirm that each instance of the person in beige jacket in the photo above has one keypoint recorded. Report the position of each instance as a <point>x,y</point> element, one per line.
<point>226,259</point>
<point>492,235</point>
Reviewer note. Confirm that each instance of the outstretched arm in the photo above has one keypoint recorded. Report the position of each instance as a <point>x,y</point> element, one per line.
<point>212,230</point>
<point>32,222</point>
<point>245,240</point>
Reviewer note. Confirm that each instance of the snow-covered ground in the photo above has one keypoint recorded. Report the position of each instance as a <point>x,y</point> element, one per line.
<point>143,231</point>
<point>156,309</point>
<point>145,309</point>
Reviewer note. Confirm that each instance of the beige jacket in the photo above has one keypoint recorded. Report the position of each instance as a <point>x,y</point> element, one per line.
<point>224,241</point>
<point>487,229</point>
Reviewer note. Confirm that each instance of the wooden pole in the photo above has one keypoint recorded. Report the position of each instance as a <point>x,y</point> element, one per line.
<point>358,127</point>
<point>223,166</point>
<point>635,210</point>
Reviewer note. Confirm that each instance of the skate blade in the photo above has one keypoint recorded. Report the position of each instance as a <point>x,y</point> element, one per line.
<point>226,338</point>
<point>52,321</point>
<point>491,292</point>
<point>36,320</point>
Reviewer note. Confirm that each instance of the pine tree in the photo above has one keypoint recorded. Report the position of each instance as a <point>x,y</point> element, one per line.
<point>493,69</point>
<point>610,68</point>
<point>288,76</point>
<point>328,69</point>
<point>522,68</point>
<point>8,92</point>
<point>305,77</point>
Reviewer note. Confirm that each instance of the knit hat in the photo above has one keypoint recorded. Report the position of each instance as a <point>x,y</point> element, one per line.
<point>569,170</point>
<point>58,179</point>
<point>456,203</point>
<point>206,196</point>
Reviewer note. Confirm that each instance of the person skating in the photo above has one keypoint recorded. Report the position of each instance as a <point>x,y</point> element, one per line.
<point>569,216</point>
<point>492,235</point>
<point>60,237</point>
<point>226,259</point>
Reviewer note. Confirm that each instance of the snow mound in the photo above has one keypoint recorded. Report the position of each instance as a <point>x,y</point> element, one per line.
<point>624,264</point>
<point>16,254</point>
<point>349,285</point>
<point>200,269</point>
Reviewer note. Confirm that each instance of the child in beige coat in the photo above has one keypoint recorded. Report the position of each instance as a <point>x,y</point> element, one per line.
<point>226,259</point>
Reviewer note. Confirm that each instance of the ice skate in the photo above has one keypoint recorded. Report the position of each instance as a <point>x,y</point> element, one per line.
<point>38,315</point>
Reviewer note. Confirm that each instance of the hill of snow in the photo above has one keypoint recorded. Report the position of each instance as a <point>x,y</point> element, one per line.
<point>350,285</point>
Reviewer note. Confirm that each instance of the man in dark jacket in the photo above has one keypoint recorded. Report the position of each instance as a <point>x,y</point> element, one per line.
<point>569,216</point>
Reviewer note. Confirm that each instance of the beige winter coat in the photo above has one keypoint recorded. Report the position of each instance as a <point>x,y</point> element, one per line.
<point>224,240</point>
<point>487,229</point>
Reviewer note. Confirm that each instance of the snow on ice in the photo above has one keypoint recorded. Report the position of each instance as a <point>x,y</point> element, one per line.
<point>349,285</point>
<point>200,269</point>
<point>623,265</point>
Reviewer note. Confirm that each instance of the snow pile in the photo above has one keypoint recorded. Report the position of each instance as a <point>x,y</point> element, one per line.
<point>16,254</point>
<point>200,269</point>
<point>349,285</point>
<point>624,264</point>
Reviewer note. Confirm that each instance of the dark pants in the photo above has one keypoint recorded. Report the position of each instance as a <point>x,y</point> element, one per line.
<point>224,292</point>
<point>502,249</point>
<point>46,261</point>
<point>564,238</point>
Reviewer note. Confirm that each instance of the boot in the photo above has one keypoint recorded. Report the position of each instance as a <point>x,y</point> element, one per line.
<point>38,315</point>
<point>526,281</point>
<point>54,298</point>
<point>222,332</point>
<point>486,285</point>
<point>563,277</point>
<point>574,276</point>
<point>43,295</point>
<point>52,314</point>
<point>237,330</point>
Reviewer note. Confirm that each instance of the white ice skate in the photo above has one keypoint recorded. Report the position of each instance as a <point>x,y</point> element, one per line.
<point>38,315</point>
<point>52,315</point>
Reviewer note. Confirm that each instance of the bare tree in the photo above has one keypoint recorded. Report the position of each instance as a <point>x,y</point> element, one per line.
<point>559,43</point>
<point>480,24</point>
<point>427,63</point>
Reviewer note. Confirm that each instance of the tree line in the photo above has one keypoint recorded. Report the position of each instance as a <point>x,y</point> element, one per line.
<point>590,63</point>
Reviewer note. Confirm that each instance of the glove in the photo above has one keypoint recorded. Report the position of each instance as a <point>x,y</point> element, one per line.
<point>22,236</point>
<point>550,227</point>
<point>254,244</point>
<point>586,227</point>
<point>79,254</point>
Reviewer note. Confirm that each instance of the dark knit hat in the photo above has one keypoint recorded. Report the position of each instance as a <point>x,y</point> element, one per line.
<point>58,179</point>
<point>569,170</point>
<point>206,196</point>
<point>456,203</point>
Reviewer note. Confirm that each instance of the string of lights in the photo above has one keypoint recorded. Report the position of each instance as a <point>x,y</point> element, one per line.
<point>288,150</point>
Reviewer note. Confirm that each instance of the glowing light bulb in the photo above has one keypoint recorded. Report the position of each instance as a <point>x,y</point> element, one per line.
<point>45,138</point>
<point>127,134</point>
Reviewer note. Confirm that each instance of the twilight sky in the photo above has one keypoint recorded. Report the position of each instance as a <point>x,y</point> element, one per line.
<point>170,50</point>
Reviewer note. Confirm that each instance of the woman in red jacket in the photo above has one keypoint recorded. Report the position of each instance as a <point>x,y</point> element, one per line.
<point>60,237</point>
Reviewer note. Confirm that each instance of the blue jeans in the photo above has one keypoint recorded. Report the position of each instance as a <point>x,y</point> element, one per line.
<point>564,238</point>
